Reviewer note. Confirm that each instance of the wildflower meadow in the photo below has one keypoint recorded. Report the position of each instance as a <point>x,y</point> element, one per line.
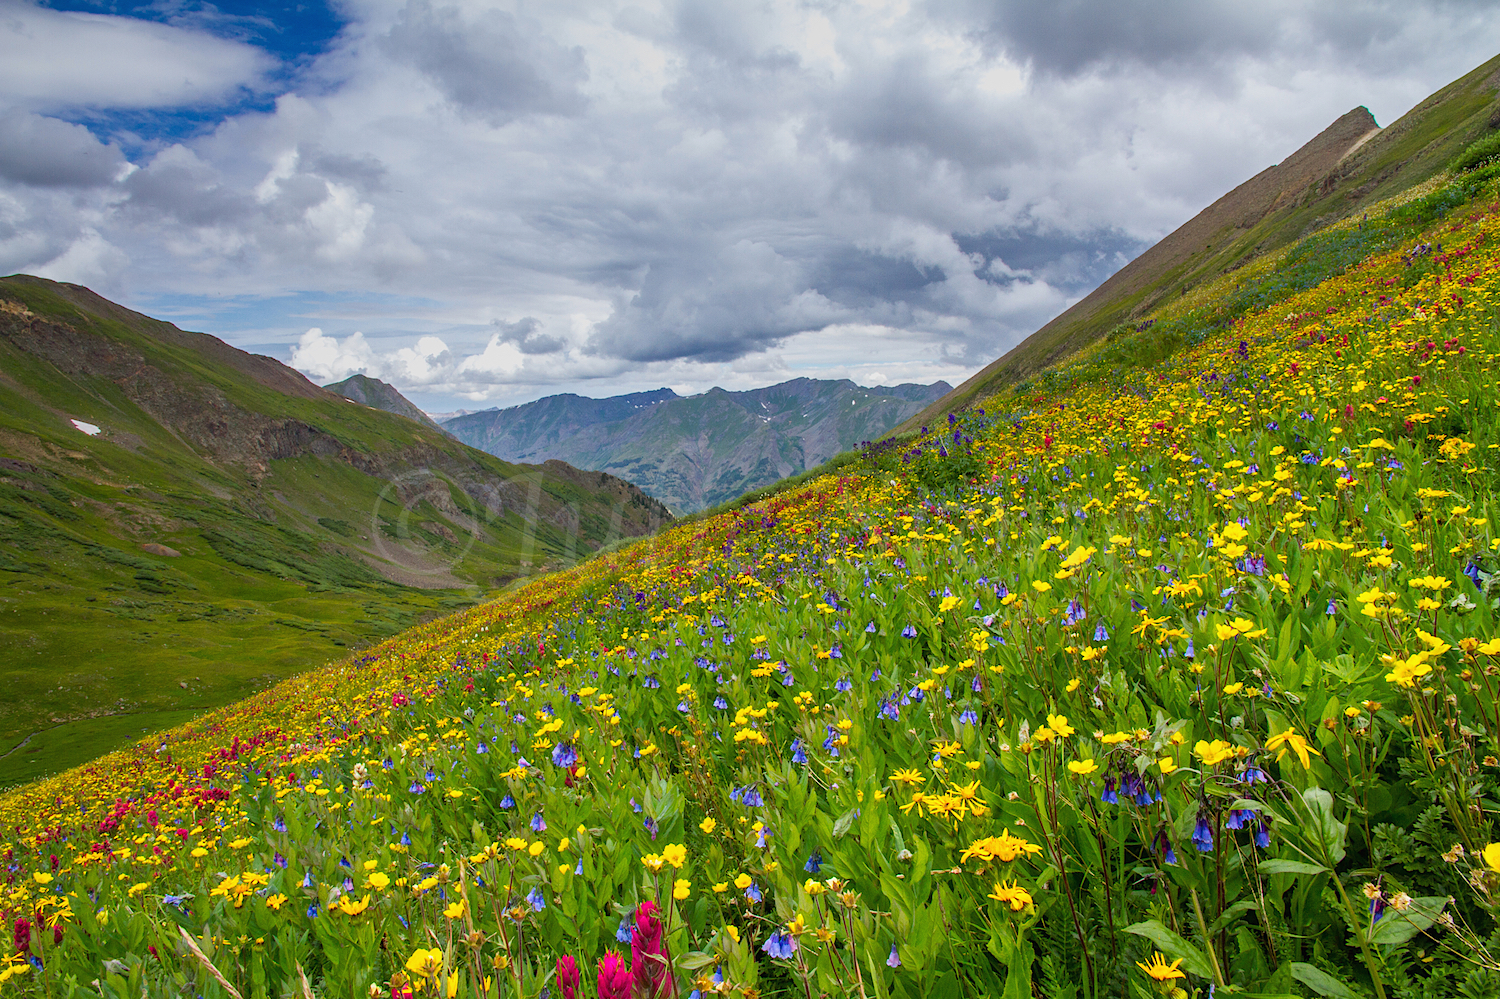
<point>1174,672</point>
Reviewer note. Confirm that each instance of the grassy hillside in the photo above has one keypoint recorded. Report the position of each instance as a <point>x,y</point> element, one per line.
<point>228,525</point>
<point>1338,175</point>
<point>374,392</point>
<point>1171,671</point>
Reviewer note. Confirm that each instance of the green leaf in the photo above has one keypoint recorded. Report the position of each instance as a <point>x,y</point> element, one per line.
<point>1290,867</point>
<point>1321,981</point>
<point>1229,914</point>
<point>1323,828</point>
<point>1399,927</point>
<point>842,824</point>
<point>1173,946</point>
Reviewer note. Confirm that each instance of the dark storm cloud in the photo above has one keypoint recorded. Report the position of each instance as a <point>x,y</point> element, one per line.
<point>45,152</point>
<point>184,189</point>
<point>491,65</point>
<point>1068,37</point>
<point>526,334</point>
<point>1073,262</point>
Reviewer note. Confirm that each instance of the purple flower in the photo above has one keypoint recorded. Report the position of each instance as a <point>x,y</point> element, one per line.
<point>780,944</point>
<point>894,961</point>
<point>909,632</point>
<point>538,824</point>
<point>799,756</point>
<point>1203,835</point>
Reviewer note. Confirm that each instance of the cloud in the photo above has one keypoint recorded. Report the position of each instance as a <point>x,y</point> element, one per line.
<point>624,194</point>
<point>58,59</point>
<point>492,64</point>
<point>46,152</point>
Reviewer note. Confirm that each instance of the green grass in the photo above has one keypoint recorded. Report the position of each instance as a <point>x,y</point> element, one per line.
<point>281,568</point>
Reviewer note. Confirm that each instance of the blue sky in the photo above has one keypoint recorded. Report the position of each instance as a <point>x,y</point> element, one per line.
<point>484,202</point>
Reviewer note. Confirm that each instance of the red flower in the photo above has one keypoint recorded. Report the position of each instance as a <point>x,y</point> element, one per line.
<point>614,977</point>
<point>568,977</point>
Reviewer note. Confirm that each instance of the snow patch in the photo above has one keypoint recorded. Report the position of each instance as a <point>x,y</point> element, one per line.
<point>87,428</point>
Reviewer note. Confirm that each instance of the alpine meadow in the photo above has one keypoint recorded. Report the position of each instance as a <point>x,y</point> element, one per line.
<point>1169,667</point>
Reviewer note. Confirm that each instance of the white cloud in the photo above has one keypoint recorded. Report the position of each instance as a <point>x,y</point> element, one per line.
<point>52,59</point>
<point>622,194</point>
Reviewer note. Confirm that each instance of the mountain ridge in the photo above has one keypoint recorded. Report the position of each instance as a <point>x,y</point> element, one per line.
<point>693,452</point>
<point>1351,164</point>
<point>367,391</point>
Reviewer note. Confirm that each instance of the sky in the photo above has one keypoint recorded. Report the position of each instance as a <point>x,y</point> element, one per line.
<point>484,203</point>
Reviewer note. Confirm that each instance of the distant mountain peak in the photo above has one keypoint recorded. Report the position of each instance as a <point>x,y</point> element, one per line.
<point>377,394</point>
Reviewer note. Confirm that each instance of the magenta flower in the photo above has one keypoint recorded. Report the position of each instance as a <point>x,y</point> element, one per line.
<point>568,977</point>
<point>614,977</point>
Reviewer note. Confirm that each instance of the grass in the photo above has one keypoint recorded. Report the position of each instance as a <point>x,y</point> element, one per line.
<point>285,562</point>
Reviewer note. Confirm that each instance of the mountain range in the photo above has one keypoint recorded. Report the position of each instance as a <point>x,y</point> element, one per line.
<point>694,452</point>
<point>182,523</point>
<point>1350,165</point>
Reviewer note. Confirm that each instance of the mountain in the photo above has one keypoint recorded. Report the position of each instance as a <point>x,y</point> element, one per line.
<point>1347,167</point>
<point>698,451</point>
<point>182,523</point>
<point>377,394</point>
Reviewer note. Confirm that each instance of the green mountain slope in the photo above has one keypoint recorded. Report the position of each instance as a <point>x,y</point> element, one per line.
<point>1349,166</point>
<point>693,453</point>
<point>213,521</point>
<point>378,394</point>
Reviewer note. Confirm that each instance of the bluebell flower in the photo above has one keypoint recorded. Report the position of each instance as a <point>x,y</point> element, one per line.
<point>344,862</point>
<point>537,900</point>
<point>1101,633</point>
<point>843,685</point>
<point>799,756</point>
<point>312,911</point>
<point>651,826</point>
<point>538,824</point>
<point>762,837</point>
<point>870,628</point>
<point>721,704</point>
<point>1203,835</point>
<point>416,788</point>
<point>908,632</point>
<point>1109,795</point>
<point>753,892</point>
<point>752,798</point>
<point>894,961</point>
<point>780,944</point>
<point>1262,833</point>
<point>968,717</point>
<point>837,652</point>
<point>279,825</point>
<point>177,899</point>
<point>626,925</point>
<point>814,862</point>
<point>482,748</point>
<point>507,802</point>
